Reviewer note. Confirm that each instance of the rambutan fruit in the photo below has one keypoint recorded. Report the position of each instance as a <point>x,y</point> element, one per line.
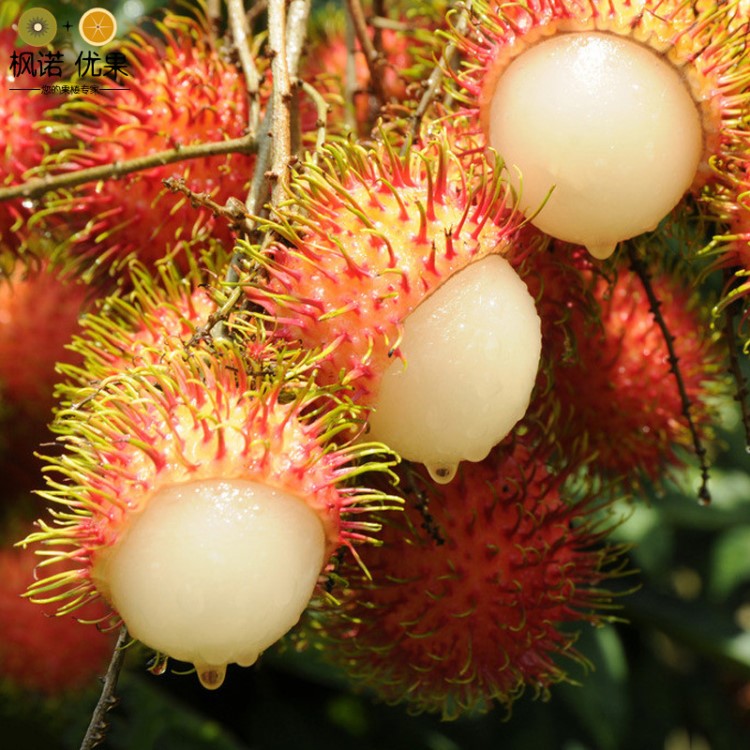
<point>604,112</point>
<point>395,269</point>
<point>38,651</point>
<point>23,146</point>
<point>40,311</point>
<point>202,504</point>
<point>179,92</point>
<point>475,591</point>
<point>619,395</point>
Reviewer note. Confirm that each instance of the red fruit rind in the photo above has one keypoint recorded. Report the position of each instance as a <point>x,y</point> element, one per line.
<point>619,392</point>
<point>468,595</point>
<point>703,40</point>
<point>38,652</point>
<point>370,235</point>
<point>40,310</point>
<point>135,329</point>
<point>190,420</point>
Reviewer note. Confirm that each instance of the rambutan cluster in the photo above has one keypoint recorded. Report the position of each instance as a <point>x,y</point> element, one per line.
<point>295,324</point>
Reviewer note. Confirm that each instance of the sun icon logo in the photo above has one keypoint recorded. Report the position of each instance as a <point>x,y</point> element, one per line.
<point>37,27</point>
<point>97,27</point>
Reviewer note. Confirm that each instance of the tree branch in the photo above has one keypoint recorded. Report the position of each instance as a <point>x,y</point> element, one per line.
<point>639,268</point>
<point>241,36</point>
<point>38,186</point>
<point>375,61</point>
<point>98,726</point>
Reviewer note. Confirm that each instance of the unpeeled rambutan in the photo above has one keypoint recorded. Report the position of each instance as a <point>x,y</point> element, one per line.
<point>394,267</point>
<point>202,504</point>
<point>619,398</point>
<point>161,313</point>
<point>23,146</point>
<point>38,651</point>
<point>607,110</point>
<point>40,311</point>
<point>179,92</point>
<point>471,596</point>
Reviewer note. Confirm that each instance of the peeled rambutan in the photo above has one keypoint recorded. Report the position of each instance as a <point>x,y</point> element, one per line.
<point>202,504</point>
<point>179,92</point>
<point>618,396</point>
<point>605,112</point>
<point>395,269</point>
<point>474,592</point>
<point>38,651</point>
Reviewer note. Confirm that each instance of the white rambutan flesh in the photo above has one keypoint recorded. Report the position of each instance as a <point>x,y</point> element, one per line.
<point>607,125</point>
<point>470,354</point>
<point>213,572</point>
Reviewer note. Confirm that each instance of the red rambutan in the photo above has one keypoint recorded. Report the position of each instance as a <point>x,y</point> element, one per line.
<point>470,597</point>
<point>179,92</point>
<point>619,396</point>
<point>40,310</point>
<point>395,270</point>
<point>23,146</point>
<point>608,110</point>
<point>38,651</point>
<point>202,504</point>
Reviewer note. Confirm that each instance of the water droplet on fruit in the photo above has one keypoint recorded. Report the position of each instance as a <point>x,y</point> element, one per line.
<point>442,473</point>
<point>159,665</point>
<point>211,677</point>
<point>601,252</point>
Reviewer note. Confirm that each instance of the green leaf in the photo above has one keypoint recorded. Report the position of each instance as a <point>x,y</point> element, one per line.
<point>601,701</point>
<point>730,563</point>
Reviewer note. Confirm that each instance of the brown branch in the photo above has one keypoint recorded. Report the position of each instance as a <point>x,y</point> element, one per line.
<point>233,210</point>
<point>379,23</point>
<point>213,14</point>
<point>350,76</point>
<point>38,186</point>
<point>287,34</point>
<point>280,99</point>
<point>639,268</point>
<point>378,10</point>
<point>375,61</point>
<point>241,35</point>
<point>97,729</point>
